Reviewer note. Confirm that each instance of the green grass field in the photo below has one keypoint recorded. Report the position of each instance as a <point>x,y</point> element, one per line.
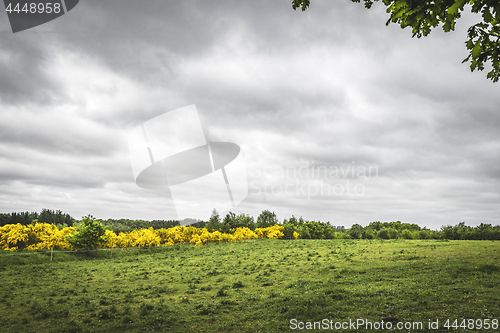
<point>253,286</point>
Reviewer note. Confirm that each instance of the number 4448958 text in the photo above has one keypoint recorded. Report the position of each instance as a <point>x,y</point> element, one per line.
<point>33,8</point>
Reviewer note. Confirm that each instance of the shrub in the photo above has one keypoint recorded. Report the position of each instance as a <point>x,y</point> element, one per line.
<point>289,231</point>
<point>89,234</point>
<point>393,233</point>
<point>356,231</point>
<point>319,230</point>
<point>406,234</point>
<point>424,234</point>
<point>238,284</point>
<point>342,235</point>
<point>368,233</point>
<point>222,292</point>
<point>273,232</point>
<point>304,232</point>
<point>383,233</point>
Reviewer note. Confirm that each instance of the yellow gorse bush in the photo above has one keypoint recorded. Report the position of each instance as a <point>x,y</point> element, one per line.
<point>13,235</point>
<point>44,236</point>
<point>275,231</point>
<point>47,236</point>
<point>34,237</point>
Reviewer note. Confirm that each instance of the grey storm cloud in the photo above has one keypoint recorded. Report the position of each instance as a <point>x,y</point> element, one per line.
<point>23,77</point>
<point>332,85</point>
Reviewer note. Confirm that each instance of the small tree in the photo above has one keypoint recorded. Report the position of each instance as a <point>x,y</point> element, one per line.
<point>214,222</point>
<point>266,219</point>
<point>89,234</point>
<point>233,221</point>
<point>245,221</point>
<point>356,231</point>
<point>229,222</point>
<point>291,226</point>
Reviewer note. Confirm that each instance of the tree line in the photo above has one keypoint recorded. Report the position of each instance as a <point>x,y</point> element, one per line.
<point>45,216</point>
<point>374,230</point>
<point>306,229</point>
<point>62,220</point>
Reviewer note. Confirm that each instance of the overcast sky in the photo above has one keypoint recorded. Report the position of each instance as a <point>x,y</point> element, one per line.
<point>339,117</point>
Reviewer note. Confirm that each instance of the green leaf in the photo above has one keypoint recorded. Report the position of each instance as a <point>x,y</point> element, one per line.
<point>476,51</point>
<point>487,16</point>
<point>453,10</point>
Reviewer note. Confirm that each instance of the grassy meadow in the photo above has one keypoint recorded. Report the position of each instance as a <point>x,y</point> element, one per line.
<point>251,286</point>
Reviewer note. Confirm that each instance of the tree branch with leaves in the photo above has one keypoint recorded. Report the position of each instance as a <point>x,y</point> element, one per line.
<point>483,38</point>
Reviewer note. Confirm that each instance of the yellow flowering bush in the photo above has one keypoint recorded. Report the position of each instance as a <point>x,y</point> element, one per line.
<point>178,235</point>
<point>144,238</point>
<point>166,237</point>
<point>243,233</point>
<point>201,239</point>
<point>13,236</point>
<point>44,236</point>
<point>220,237</point>
<point>36,236</point>
<point>123,240</point>
<point>272,232</point>
<point>113,240</point>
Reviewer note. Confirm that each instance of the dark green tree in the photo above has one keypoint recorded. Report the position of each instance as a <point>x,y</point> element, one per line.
<point>245,221</point>
<point>214,222</point>
<point>316,230</point>
<point>89,234</point>
<point>291,226</point>
<point>229,222</point>
<point>422,16</point>
<point>383,233</point>
<point>368,233</point>
<point>266,219</point>
<point>407,234</point>
<point>4,219</point>
<point>356,231</point>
